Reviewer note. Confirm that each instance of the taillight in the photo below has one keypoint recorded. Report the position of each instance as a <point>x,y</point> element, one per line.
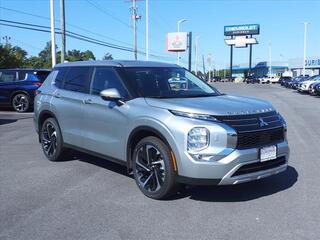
<point>38,84</point>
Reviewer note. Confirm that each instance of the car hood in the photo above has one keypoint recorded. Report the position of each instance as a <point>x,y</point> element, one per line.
<point>215,105</point>
<point>310,81</point>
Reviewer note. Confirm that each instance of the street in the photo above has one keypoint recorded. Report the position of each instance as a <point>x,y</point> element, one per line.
<point>91,198</point>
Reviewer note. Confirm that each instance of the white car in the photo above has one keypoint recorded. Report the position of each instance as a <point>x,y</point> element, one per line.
<point>305,85</point>
<point>269,80</point>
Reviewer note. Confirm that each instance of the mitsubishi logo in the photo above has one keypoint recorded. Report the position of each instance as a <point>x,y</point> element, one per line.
<point>262,123</point>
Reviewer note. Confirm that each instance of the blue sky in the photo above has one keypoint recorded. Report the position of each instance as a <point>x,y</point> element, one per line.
<point>281,24</point>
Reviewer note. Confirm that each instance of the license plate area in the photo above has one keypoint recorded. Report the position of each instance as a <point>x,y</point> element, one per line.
<point>268,153</point>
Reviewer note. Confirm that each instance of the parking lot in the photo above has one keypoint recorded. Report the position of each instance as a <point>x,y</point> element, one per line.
<point>90,198</point>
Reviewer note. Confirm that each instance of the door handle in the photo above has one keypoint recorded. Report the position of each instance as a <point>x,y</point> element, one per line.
<point>57,95</point>
<point>87,101</point>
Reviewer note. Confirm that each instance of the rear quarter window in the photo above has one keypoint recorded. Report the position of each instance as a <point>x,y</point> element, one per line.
<point>59,80</point>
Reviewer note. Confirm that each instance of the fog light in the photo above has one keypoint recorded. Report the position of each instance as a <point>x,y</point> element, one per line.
<point>198,139</point>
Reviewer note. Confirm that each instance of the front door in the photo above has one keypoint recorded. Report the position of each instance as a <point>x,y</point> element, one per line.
<point>104,121</point>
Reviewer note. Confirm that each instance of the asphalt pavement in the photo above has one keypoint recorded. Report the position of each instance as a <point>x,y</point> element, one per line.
<point>91,198</point>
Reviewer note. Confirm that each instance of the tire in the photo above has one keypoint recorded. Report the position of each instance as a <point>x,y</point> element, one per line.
<point>21,102</point>
<point>51,140</point>
<point>155,180</point>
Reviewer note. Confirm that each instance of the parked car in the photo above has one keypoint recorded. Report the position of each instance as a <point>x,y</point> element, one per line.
<point>217,79</point>
<point>18,87</point>
<point>304,86</point>
<point>317,89</point>
<point>252,79</point>
<point>312,88</point>
<point>296,82</point>
<point>268,80</point>
<point>284,79</point>
<point>127,112</point>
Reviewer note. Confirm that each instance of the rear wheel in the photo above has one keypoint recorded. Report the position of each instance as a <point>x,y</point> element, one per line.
<point>20,102</point>
<point>51,140</point>
<point>153,168</point>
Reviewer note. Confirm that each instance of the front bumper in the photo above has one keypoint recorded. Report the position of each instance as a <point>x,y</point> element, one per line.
<point>224,171</point>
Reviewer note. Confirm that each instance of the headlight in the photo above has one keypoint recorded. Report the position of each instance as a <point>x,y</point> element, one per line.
<point>194,115</point>
<point>198,139</point>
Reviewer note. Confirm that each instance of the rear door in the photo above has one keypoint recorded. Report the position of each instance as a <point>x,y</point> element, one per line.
<point>7,85</point>
<point>105,122</point>
<point>72,88</point>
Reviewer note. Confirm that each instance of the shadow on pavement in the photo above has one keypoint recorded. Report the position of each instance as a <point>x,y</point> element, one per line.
<point>231,193</point>
<point>242,192</point>
<point>7,121</point>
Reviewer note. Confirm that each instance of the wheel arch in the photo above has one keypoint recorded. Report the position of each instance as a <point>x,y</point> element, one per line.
<point>136,135</point>
<point>45,114</point>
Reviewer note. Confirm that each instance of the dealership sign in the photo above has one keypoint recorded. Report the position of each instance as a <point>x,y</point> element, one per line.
<point>312,63</point>
<point>177,41</point>
<point>240,30</point>
<point>241,41</point>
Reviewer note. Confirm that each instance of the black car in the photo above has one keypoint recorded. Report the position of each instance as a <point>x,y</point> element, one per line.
<point>18,87</point>
<point>252,79</point>
<point>283,80</point>
<point>315,88</point>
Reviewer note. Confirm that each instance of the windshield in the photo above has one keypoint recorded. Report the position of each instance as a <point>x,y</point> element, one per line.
<point>161,82</point>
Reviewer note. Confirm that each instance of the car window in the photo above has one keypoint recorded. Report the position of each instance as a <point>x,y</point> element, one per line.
<point>78,79</point>
<point>62,72</point>
<point>107,77</point>
<point>22,75</point>
<point>7,76</point>
<point>42,75</point>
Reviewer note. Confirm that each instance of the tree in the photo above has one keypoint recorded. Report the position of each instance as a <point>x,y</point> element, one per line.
<point>107,56</point>
<point>77,55</point>
<point>12,57</point>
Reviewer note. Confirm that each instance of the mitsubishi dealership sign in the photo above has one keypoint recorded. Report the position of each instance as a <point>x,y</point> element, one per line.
<point>177,41</point>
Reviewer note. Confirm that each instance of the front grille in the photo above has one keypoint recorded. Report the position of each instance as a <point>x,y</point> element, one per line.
<point>260,166</point>
<point>256,130</point>
<point>252,122</point>
<point>260,138</point>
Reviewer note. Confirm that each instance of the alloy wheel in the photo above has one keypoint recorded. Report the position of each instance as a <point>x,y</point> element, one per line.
<point>150,168</point>
<point>49,139</point>
<point>20,102</point>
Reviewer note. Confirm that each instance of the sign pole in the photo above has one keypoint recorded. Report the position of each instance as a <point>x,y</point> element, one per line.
<point>190,49</point>
<point>250,58</point>
<point>231,59</point>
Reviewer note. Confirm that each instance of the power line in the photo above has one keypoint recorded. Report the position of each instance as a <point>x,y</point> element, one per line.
<point>71,25</point>
<point>41,28</point>
<point>95,5</point>
<point>94,33</point>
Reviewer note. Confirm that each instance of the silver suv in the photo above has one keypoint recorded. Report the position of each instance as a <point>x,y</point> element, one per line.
<point>159,120</point>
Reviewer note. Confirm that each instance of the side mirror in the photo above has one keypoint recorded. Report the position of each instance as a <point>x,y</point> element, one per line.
<point>111,94</point>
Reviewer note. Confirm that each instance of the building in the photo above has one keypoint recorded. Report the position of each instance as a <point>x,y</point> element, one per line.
<point>312,66</point>
<point>260,69</point>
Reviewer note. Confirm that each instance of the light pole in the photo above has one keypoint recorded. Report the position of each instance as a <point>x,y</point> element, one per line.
<point>178,26</point>
<point>270,66</point>
<point>53,39</point>
<point>305,47</point>
<point>196,55</point>
<point>147,30</point>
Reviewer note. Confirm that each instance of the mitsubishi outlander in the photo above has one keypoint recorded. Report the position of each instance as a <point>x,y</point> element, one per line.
<point>163,123</point>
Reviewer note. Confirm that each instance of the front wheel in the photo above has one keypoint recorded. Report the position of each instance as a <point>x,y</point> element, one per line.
<point>153,168</point>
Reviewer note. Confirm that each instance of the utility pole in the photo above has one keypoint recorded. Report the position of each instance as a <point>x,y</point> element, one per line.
<point>135,18</point>
<point>6,40</point>
<point>231,61</point>
<point>305,48</point>
<point>53,40</point>
<point>63,30</point>
<point>147,30</point>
